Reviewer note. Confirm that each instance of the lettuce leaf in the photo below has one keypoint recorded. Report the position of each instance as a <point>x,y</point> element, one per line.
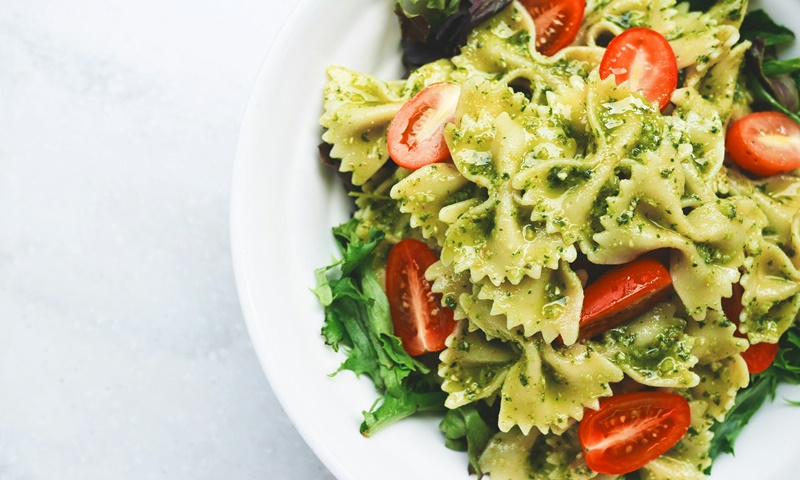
<point>357,314</point>
<point>418,394</point>
<point>440,33</point>
<point>778,92</point>
<point>758,24</point>
<point>466,430</point>
<point>770,80</point>
<point>785,369</point>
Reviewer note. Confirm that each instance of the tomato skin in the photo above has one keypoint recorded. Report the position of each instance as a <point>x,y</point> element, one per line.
<point>416,133</point>
<point>557,22</point>
<point>621,294</point>
<point>758,356</point>
<point>418,317</point>
<point>643,58</point>
<point>630,430</point>
<point>765,143</point>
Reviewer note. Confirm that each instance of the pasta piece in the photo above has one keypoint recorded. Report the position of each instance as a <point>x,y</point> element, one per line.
<point>697,39</point>
<point>654,349</point>
<point>358,110</point>
<point>771,296</point>
<point>714,338</point>
<point>777,196</point>
<point>496,238</point>
<point>546,388</point>
<point>472,367</point>
<point>376,210</point>
<point>508,455</point>
<point>512,456</point>
<point>689,458</point>
<point>686,461</point>
<point>452,286</point>
<point>550,305</point>
<point>503,49</point>
<point>501,46</point>
<point>430,189</point>
<point>719,85</point>
<point>719,382</point>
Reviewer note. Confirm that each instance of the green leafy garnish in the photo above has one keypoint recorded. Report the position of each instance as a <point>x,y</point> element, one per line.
<point>418,394</point>
<point>758,24</point>
<point>785,369</point>
<point>465,430</point>
<point>769,79</point>
<point>781,67</point>
<point>357,317</point>
<point>357,314</point>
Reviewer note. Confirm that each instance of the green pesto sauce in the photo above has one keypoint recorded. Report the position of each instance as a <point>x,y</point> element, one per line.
<point>566,177</point>
<point>660,357</point>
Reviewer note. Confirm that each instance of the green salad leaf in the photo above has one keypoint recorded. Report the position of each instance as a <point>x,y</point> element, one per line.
<point>357,314</point>
<point>466,430</point>
<point>358,319</point>
<point>758,24</point>
<point>785,369</point>
<point>770,80</point>
<point>748,401</point>
<point>781,67</point>
<point>418,394</point>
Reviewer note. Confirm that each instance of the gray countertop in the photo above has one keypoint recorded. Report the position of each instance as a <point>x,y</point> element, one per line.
<point>124,354</point>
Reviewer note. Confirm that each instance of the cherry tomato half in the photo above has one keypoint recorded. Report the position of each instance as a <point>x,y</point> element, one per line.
<point>765,143</point>
<point>621,294</point>
<point>418,317</point>
<point>416,133</point>
<point>758,356</point>
<point>630,430</point>
<point>557,22</point>
<point>643,58</point>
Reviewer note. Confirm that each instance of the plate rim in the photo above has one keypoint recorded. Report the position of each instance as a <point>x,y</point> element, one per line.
<point>238,240</point>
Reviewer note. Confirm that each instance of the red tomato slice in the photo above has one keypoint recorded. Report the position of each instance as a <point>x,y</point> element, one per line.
<point>416,134</point>
<point>643,58</point>
<point>765,143</point>
<point>621,294</point>
<point>630,430</point>
<point>758,356</point>
<point>418,317</point>
<point>557,22</point>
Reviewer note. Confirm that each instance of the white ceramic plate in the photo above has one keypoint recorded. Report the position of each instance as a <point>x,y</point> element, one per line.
<point>284,204</point>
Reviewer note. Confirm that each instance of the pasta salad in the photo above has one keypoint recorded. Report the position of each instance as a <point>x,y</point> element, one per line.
<point>574,236</point>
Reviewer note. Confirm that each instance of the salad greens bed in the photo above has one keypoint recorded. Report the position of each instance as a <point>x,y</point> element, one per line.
<point>357,317</point>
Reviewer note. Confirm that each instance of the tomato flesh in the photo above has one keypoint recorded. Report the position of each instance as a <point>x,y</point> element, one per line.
<point>419,320</point>
<point>765,143</point>
<point>758,356</point>
<point>557,22</point>
<point>416,133</point>
<point>621,294</point>
<point>630,430</point>
<point>643,58</point>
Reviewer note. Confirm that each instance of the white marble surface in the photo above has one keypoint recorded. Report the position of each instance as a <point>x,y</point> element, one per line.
<point>123,352</point>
